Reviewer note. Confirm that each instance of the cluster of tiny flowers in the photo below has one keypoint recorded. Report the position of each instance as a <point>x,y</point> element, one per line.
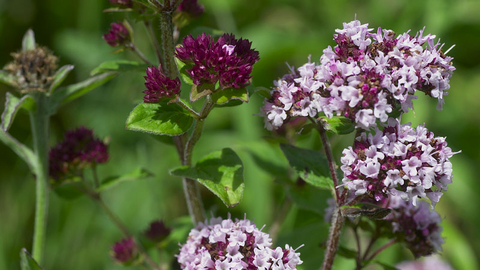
<point>429,263</point>
<point>79,150</point>
<point>159,86</point>
<point>401,161</point>
<point>118,35</point>
<point>225,244</point>
<point>227,60</point>
<point>124,251</point>
<point>364,77</point>
<point>417,226</point>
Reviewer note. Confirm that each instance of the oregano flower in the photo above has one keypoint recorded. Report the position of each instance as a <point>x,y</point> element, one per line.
<point>79,150</point>
<point>399,160</point>
<point>365,77</point>
<point>118,35</point>
<point>227,60</point>
<point>125,251</point>
<point>159,86</point>
<point>228,244</point>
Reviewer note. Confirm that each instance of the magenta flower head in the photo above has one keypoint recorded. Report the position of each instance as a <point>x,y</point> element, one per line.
<point>401,161</point>
<point>225,244</point>
<point>417,226</point>
<point>365,77</point>
<point>79,150</point>
<point>157,231</point>
<point>191,7</point>
<point>159,86</point>
<point>123,3</point>
<point>227,60</point>
<point>118,35</point>
<point>125,251</point>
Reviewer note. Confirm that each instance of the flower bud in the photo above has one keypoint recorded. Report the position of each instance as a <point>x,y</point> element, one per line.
<point>159,86</point>
<point>33,69</point>
<point>157,231</point>
<point>118,35</point>
<point>125,252</point>
<point>79,150</point>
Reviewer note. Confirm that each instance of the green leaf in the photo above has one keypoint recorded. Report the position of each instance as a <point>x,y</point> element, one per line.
<point>8,79</point>
<point>60,76</point>
<point>182,68</point>
<point>28,42</point>
<point>12,105</point>
<point>118,66</point>
<point>307,197</point>
<point>263,91</point>
<point>27,262</point>
<point>137,174</point>
<point>346,252</point>
<point>221,172</point>
<point>159,118</point>
<point>70,189</point>
<point>223,96</point>
<point>310,165</point>
<point>199,91</point>
<point>71,92</point>
<point>339,125</point>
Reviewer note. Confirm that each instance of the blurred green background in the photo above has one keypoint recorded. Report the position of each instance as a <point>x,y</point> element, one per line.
<point>80,234</point>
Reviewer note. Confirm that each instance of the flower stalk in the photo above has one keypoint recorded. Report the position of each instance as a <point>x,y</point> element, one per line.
<point>40,123</point>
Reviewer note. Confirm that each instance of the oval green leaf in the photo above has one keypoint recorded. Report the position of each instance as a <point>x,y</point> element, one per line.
<point>221,172</point>
<point>310,165</point>
<point>339,125</point>
<point>12,105</point>
<point>159,118</point>
<point>137,174</point>
<point>60,76</point>
<point>221,97</point>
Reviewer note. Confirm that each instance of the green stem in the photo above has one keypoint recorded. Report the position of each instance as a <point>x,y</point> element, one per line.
<point>382,248</point>
<point>190,186</point>
<point>140,54</point>
<point>40,123</point>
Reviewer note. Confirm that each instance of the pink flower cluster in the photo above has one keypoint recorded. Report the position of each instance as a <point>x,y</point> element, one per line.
<point>225,244</point>
<point>364,77</point>
<point>417,226</point>
<point>401,161</point>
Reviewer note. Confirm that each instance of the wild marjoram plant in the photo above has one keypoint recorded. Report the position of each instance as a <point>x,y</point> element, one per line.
<point>388,183</point>
<point>34,74</point>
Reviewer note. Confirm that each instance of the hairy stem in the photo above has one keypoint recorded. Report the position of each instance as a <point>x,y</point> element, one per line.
<point>333,239</point>
<point>168,46</point>
<point>40,124</point>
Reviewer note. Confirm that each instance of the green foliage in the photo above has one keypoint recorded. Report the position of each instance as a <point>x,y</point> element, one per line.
<point>60,76</point>
<point>160,119</point>
<point>224,96</point>
<point>28,42</point>
<point>339,125</point>
<point>221,172</point>
<point>118,66</point>
<point>310,165</point>
<point>12,105</point>
<point>137,174</point>
<point>27,262</point>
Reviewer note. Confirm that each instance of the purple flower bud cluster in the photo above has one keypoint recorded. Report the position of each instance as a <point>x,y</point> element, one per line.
<point>124,251</point>
<point>401,161</point>
<point>191,7</point>
<point>79,150</point>
<point>417,226</point>
<point>364,77</point>
<point>225,244</point>
<point>159,86</point>
<point>227,60</point>
<point>157,231</point>
<point>118,35</point>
